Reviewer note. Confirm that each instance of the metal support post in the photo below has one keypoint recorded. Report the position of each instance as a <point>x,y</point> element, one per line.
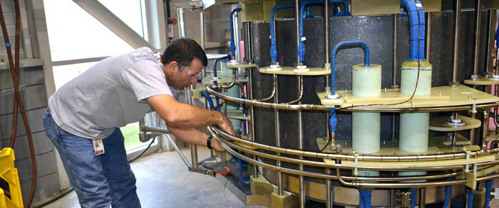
<point>455,60</point>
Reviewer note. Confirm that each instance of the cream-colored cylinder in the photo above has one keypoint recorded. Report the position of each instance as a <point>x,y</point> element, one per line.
<point>414,129</point>
<point>366,132</point>
<point>366,82</point>
<point>409,78</point>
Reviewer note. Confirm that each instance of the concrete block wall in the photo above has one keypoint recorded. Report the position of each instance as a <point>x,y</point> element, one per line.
<point>10,20</point>
<point>35,102</point>
<point>33,92</point>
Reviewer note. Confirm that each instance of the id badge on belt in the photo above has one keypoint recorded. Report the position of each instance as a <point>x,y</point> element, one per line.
<point>98,146</point>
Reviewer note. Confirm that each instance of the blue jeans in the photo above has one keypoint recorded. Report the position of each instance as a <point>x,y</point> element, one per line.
<point>99,181</point>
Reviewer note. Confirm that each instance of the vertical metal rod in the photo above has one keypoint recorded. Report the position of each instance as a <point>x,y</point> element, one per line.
<point>326,32</point>
<point>203,41</point>
<point>478,21</point>
<point>329,196</point>
<point>300,146</point>
<point>237,38</point>
<point>247,43</point>
<point>485,129</point>
<point>428,37</point>
<point>252,112</point>
<point>422,198</point>
<point>297,21</point>
<point>201,19</point>
<point>392,199</point>
<point>457,23</point>
<point>490,28</point>
<point>181,23</point>
<point>277,135</point>
<point>395,67</point>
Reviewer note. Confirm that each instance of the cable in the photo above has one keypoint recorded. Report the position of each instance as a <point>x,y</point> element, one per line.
<point>19,101</point>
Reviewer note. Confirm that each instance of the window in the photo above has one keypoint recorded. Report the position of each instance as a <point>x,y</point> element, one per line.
<point>77,39</point>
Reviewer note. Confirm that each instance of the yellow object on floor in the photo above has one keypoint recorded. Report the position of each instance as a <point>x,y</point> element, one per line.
<point>11,198</point>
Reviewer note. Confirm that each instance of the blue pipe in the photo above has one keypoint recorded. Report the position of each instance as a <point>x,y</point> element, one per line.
<point>416,19</point>
<point>232,44</point>
<point>413,198</point>
<point>497,37</point>
<point>301,45</point>
<point>216,62</point>
<point>333,58</point>
<point>447,195</point>
<point>365,198</point>
<point>273,46</point>
<point>470,197</point>
<point>332,120</point>
<point>240,168</point>
<point>488,188</point>
<point>307,13</point>
<point>208,98</point>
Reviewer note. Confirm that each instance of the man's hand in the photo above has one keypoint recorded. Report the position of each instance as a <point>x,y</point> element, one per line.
<point>216,145</point>
<point>226,125</point>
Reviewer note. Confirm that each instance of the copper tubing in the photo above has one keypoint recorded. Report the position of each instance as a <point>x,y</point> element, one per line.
<point>361,157</point>
<point>14,69</point>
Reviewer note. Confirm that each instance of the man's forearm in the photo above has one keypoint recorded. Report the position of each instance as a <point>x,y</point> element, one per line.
<point>190,135</point>
<point>193,117</point>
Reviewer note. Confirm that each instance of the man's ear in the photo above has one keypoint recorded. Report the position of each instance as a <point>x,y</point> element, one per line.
<point>170,67</point>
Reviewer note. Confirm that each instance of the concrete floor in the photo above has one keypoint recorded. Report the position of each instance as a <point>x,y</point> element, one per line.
<point>164,181</point>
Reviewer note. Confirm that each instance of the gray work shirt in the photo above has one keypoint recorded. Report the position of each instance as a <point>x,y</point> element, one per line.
<point>110,94</point>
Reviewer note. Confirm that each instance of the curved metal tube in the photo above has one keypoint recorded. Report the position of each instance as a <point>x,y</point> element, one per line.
<point>361,157</point>
<point>358,109</point>
<point>341,178</point>
<point>301,92</point>
<point>273,91</point>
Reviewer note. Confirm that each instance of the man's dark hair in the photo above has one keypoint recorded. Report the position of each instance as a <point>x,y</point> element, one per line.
<point>184,50</point>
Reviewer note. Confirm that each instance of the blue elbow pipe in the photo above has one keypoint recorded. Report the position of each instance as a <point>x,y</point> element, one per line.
<point>365,199</point>
<point>215,64</point>
<point>413,198</point>
<point>417,22</point>
<point>333,58</point>
<point>208,98</point>
<point>232,44</point>
<point>301,45</point>
<point>273,46</point>
<point>488,188</point>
